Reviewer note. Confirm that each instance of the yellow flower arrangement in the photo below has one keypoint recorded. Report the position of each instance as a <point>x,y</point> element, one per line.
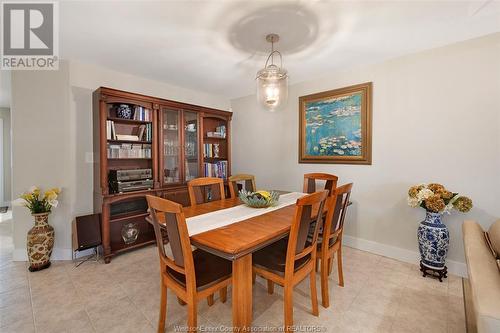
<point>38,203</point>
<point>436,198</point>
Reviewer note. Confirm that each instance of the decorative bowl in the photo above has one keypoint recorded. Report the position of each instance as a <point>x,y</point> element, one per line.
<point>259,199</point>
<point>124,111</point>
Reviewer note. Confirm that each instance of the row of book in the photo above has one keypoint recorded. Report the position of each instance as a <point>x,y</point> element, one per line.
<point>129,150</point>
<point>220,132</point>
<point>143,133</point>
<point>218,169</point>
<point>142,114</point>
<point>211,150</point>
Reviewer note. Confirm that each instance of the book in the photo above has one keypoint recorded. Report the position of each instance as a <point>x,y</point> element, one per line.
<point>127,137</point>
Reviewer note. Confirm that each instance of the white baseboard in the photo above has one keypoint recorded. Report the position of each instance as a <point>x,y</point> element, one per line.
<point>412,257</point>
<point>57,254</point>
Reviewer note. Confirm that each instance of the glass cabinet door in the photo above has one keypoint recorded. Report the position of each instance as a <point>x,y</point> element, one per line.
<point>171,146</point>
<point>191,145</point>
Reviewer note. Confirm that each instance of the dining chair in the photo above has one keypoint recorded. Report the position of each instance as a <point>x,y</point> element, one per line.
<point>330,238</point>
<point>205,189</point>
<point>288,261</point>
<point>191,275</point>
<point>249,183</point>
<point>311,178</point>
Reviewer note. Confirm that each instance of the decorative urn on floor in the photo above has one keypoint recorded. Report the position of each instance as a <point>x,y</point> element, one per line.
<point>433,235</point>
<point>40,238</point>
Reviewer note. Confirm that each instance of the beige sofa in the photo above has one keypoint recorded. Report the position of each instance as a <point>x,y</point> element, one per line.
<point>482,252</point>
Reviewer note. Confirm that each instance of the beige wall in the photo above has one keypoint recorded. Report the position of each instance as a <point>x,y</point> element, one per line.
<point>7,189</point>
<point>436,117</point>
<point>41,150</point>
<point>52,138</point>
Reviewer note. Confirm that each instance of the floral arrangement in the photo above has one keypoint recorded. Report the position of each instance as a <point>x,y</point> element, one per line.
<point>436,198</point>
<point>259,199</point>
<point>38,203</point>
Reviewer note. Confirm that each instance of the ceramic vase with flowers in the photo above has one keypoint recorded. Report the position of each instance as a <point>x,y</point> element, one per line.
<point>40,238</point>
<point>433,235</point>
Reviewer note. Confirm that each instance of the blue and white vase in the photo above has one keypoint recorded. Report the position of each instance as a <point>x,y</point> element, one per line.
<point>433,241</point>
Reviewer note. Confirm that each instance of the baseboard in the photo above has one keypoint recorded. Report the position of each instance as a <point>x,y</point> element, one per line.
<point>412,257</point>
<point>57,254</point>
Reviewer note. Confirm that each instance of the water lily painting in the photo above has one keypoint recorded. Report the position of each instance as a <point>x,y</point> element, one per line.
<point>335,126</point>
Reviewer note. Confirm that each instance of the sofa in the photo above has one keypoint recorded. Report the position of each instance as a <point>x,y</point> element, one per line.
<point>482,253</point>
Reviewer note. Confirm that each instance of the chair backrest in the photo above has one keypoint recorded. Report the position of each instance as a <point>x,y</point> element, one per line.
<point>311,178</point>
<point>305,214</point>
<point>337,208</point>
<point>175,223</point>
<point>205,189</point>
<point>249,183</point>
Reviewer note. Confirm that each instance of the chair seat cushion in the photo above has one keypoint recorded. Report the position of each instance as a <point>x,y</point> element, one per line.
<point>209,270</point>
<point>273,257</point>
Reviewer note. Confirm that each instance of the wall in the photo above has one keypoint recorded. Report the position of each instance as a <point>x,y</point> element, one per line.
<point>41,150</point>
<point>52,138</point>
<point>5,116</point>
<point>436,117</point>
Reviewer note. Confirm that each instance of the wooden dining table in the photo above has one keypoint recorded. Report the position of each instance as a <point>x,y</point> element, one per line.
<point>237,242</point>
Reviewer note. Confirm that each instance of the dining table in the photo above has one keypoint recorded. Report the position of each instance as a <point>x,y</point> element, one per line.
<point>237,241</point>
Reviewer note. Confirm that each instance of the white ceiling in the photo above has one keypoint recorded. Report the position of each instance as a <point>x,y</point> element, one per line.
<point>218,46</point>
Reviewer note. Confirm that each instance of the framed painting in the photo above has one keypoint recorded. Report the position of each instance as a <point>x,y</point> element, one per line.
<point>335,126</point>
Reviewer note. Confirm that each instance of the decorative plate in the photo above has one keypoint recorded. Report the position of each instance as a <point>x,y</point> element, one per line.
<point>259,199</point>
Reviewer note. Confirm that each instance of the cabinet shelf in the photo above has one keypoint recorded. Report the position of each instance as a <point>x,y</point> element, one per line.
<point>128,216</point>
<point>128,121</point>
<point>174,156</point>
<point>129,141</point>
<point>129,158</point>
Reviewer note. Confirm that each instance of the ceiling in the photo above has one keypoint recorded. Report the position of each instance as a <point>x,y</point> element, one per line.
<point>218,46</point>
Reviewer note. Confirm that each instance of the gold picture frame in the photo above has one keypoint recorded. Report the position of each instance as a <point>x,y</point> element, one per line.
<point>335,126</point>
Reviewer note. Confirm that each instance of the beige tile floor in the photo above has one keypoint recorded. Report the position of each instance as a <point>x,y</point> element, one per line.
<point>380,295</point>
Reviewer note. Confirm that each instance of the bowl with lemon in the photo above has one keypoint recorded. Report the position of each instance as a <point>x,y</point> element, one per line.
<point>259,199</point>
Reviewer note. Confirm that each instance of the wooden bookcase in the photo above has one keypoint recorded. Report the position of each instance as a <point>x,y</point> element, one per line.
<point>182,142</point>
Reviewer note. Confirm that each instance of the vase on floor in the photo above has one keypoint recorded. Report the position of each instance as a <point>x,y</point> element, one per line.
<point>433,241</point>
<point>40,242</point>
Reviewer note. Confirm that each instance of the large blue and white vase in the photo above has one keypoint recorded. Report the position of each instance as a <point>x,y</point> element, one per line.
<point>433,241</point>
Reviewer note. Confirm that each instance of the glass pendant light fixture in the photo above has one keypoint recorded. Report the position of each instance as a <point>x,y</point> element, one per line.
<point>272,81</point>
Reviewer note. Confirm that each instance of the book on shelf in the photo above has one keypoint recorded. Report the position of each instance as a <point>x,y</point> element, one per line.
<point>220,132</point>
<point>142,114</point>
<point>129,150</point>
<point>145,132</point>
<point>127,137</point>
<point>218,169</point>
<point>110,130</point>
<point>211,150</point>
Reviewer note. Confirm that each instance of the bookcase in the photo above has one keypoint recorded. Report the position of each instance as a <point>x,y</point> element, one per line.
<point>149,145</point>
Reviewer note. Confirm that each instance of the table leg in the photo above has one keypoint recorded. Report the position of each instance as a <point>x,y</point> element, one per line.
<point>242,293</point>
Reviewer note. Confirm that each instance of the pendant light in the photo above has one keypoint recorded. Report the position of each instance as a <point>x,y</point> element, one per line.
<point>272,81</point>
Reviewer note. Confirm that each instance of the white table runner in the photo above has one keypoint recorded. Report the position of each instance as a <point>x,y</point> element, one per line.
<point>223,217</point>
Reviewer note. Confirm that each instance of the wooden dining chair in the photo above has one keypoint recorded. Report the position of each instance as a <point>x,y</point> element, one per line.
<point>330,238</point>
<point>206,189</point>
<point>288,261</point>
<point>249,183</point>
<point>191,275</point>
<point>311,178</point>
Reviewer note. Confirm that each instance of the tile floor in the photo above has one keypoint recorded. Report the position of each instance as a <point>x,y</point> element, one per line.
<point>380,295</point>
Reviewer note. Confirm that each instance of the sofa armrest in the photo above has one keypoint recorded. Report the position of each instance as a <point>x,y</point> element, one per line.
<point>484,278</point>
